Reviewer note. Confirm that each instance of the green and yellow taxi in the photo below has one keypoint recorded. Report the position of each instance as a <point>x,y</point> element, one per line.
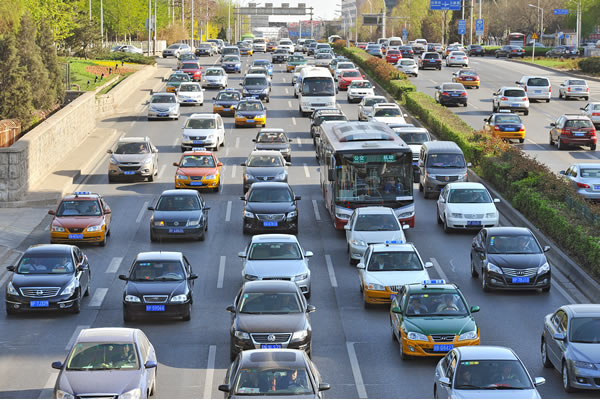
<point>431,318</point>
<point>226,101</point>
<point>175,80</point>
<point>294,60</point>
<point>81,217</point>
<point>250,112</point>
<point>198,169</point>
<point>505,125</point>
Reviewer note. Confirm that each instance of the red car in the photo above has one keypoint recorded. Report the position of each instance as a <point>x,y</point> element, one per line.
<point>193,69</point>
<point>573,129</point>
<point>361,45</point>
<point>393,56</point>
<point>347,76</point>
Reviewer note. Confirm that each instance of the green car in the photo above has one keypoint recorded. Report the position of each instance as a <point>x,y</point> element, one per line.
<point>175,80</point>
<point>431,318</point>
<point>294,60</point>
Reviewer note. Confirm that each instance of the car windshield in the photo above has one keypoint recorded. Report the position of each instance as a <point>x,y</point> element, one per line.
<point>264,161</point>
<point>272,137</point>
<point>250,106</point>
<point>371,102</point>
<point>464,196</point>
<point>468,73</point>
<point>231,50</point>
<point>393,52</point>
<point>491,375</point>
<point>157,271</point>
<point>517,244</point>
<point>318,87</point>
<point>579,123</point>
<point>174,47</point>
<point>361,84</point>
<point>79,208</point>
<point>178,203</point>
<point>323,56</point>
<point>272,382</point>
<point>179,78</point>
<point>514,93</point>
<point>296,58</point>
<point>330,118</point>
<point>413,137</point>
<point>269,195</point>
<point>200,123</point>
<point>577,82</point>
<point>407,62</point>
<point>189,66</point>
<point>585,330</point>
<point>538,82</point>
<point>595,107</point>
<point>376,222</point>
<point>262,63</point>
<point>269,303</point>
<point>394,261</point>
<point>388,112</point>
<point>345,66</point>
<point>590,172</point>
<point>441,160</point>
<point>163,99</point>
<point>189,88</point>
<point>350,74</point>
<point>132,148</point>
<point>204,46</point>
<point>274,251</point>
<point>458,53</point>
<point>231,59</point>
<point>508,119</point>
<point>436,304</point>
<point>258,81</point>
<point>214,72</point>
<point>228,96</point>
<point>103,356</point>
<point>258,70</point>
<point>452,86</point>
<point>197,162</point>
<point>45,264</point>
<point>431,56</point>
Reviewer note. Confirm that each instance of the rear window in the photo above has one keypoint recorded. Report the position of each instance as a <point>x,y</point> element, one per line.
<point>577,82</point>
<point>538,82</point>
<point>578,123</point>
<point>453,86</point>
<point>514,93</point>
<point>432,56</point>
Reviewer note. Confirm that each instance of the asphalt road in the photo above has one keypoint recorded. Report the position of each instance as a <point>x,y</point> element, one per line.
<point>352,346</point>
<point>496,73</point>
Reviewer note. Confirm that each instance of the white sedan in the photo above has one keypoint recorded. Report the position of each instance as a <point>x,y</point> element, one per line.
<point>466,205</point>
<point>359,89</point>
<point>457,58</point>
<point>190,93</point>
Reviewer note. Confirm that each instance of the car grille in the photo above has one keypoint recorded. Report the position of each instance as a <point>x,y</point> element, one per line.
<point>264,337</point>
<point>264,178</point>
<point>197,137</point>
<point>473,216</point>
<point>39,292</point>
<point>447,337</point>
<point>97,396</point>
<point>446,178</point>
<point>75,230</point>
<point>129,167</point>
<point>319,105</point>
<point>520,272</point>
<point>155,299</point>
<point>277,278</point>
<point>175,223</point>
<point>270,217</point>
<point>196,178</point>
<point>395,288</point>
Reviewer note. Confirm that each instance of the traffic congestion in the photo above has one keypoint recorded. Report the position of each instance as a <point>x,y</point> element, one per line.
<point>271,224</point>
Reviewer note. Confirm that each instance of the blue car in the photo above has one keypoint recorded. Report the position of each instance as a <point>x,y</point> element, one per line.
<point>226,101</point>
<point>264,63</point>
<point>232,64</point>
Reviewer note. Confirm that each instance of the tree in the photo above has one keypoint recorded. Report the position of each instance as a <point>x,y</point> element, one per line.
<point>59,14</point>
<point>31,60</point>
<point>15,91</point>
<point>50,60</point>
<point>85,36</point>
<point>222,34</point>
<point>10,13</point>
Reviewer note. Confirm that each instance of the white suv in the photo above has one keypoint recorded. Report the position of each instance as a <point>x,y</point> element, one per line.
<point>259,44</point>
<point>536,87</point>
<point>203,130</point>
<point>388,113</point>
<point>286,44</point>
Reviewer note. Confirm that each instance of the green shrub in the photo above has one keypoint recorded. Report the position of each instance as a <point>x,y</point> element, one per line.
<point>591,65</point>
<point>125,57</point>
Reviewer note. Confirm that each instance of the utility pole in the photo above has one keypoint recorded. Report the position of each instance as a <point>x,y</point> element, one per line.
<point>207,20</point>
<point>149,23</point>
<point>155,28</point>
<point>192,27</point>
<point>383,22</point>
<point>479,37</point>
<point>312,36</point>
<point>182,19</point>
<point>462,36</point>
<point>578,23</point>
<point>471,27</point>
<point>102,23</point>
<point>90,10</point>
<point>229,22</point>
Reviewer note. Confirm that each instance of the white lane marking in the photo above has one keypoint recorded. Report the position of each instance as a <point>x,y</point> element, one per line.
<point>432,81</point>
<point>98,297</point>
<point>294,120</point>
<point>78,329</point>
<point>287,91</point>
<point>289,103</point>
<point>221,272</point>
<point>358,380</point>
<point>175,142</point>
<point>306,171</point>
<point>114,265</point>
<point>46,392</point>
<point>210,371</point>
<point>474,106</point>
<point>228,212</point>
<point>534,143</point>
<point>316,208</point>
<point>162,170</point>
<point>298,142</point>
<point>237,142</point>
<point>4,279</point>
<point>142,211</point>
<point>233,171</point>
<point>47,228</point>
<point>439,270</point>
<point>566,295</point>
<point>283,79</point>
<point>330,270</point>
<point>226,151</point>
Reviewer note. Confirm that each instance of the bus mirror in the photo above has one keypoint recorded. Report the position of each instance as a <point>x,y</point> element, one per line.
<point>331,175</point>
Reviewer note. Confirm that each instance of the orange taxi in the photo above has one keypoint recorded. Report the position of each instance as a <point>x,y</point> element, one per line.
<point>82,217</point>
<point>198,169</point>
<point>467,77</point>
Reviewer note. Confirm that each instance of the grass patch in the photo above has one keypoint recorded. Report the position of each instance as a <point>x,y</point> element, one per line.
<point>112,85</point>
<point>567,64</point>
<point>84,71</point>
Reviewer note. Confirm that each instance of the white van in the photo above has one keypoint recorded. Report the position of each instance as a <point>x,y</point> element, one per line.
<point>395,41</point>
<point>316,89</point>
<point>259,44</point>
<point>286,44</point>
<point>536,87</point>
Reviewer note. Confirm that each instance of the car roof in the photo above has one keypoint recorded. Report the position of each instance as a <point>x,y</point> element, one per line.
<point>403,129</point>
<point>203,116</point>
<point>511,88</point>
<point>163,94</point>
<point>81,195</point>
<point>49,248</point>
<point>107,335</point>
<point>197,153</point>
<point>465,185</point>
<point>583,310</point>
<point>275,153</point>
<point>271,185</point>
<point>575,116</point>
<point>379,247</point>
<point>254,75</point>
<point>508,230</point>
<point>485,353</point>
<point>373,210</point>
<point>270,286</point>
<point>386,105</point>
<point>375,97</point>
<point>134,139</point>
<point>159,255</point>
<point>272,237</point>
<point>442,146</point>
<point>281,358</point>
<point>271,130</point>
<point>440,287</point>
<point>586,165</point>
<point>175,192</point>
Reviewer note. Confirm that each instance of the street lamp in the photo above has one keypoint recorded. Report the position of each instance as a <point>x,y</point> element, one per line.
<point>540,9</point>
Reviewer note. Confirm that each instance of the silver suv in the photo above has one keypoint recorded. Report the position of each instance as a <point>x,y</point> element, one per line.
<point>511,98</point>
<point>536,87</point>
<point>133,157</point>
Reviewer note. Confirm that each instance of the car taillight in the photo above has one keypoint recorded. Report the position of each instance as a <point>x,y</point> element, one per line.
<point>522,129</point>
<point>445,94</point>
<point>569,89</point>
<point>596,114</point>
<point>583,185</point>
<point>550,89</point>
<point>504,98</point>
<point>463,94</point>
<point>565,132</point>
<point>496,128</point>
<point>524,99</point>
<point>587,89</point>
<point>514,51</point>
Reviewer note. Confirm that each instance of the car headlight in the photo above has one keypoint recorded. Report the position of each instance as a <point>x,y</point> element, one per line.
<point>584,364</point>
<point>10,289</point>
<point>405,214</point>
<point>159,223</point>
<point>244,91</point>
<point>281,175</point>
<point>132,394</point>
<point>417,336</point>
<point>494,268</point>
<point>95,228</point>
<point>147,161</point>
<point>241,335</point>
<point>491,215</point>
<point>210,137</point>
<point>180,298</point>
<point>113,161</point>
<point>456,215</point>
<point>57,228</point>
<point>248,214</point>
<point>184,177</point>
<point>152,108</point>
<point>61,394</point>
<point>265,91</point>
<point>132,299</point>
<point>544,268</point>
<point>172,108</point>
<point>361,243</point>
<point>301,277</point>
<point>468,336</point>
<point>210,177</point>
<point>375,286</point>
<point>300,335</point>
<point>249,277</point>
<point>193,222</point>
<point>71,287</point>
<point>292,214</point>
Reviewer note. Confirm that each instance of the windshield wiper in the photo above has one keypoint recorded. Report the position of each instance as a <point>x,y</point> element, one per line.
<point>469,387</point>
<point>251,312</point>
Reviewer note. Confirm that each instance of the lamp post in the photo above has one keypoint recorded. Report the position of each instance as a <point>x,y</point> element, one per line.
<point>229,22</point>
<point>540,10</point>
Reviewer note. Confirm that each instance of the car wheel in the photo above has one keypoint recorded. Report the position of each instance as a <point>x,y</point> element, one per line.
<point>151,178</point>
<point>87,289</point>
<point>484,283</point>
<point>103,242</point>
<point>425,193</point>
<point>546,289</point>
<point>439,220</point>
<point>187,314</point>
<point>497,56</point>
<point>232,353</point>
<point>10,310</point>
<point>559,146</point>
<point>110,179</point>
<point>566,381</point>
<point>526,112</point>
<point>545,360</point>
<point>152,237</point>
<point>127,316</point>
<point>593,147</point>
<point>447,229</point>
<point>403,356</point>
<point>547,100</point>
<point>394,338</point>
<point>202,236</point>
<point>76,307</point>
<point>550,141</point>
<point>245,230</point>
<point>420,187</point>
<point>560,95</point>
<point>474,272</point>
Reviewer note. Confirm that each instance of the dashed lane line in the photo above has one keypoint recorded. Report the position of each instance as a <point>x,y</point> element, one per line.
<point>358,380</point>
<point>210,371</point>
<point>221,272</point>
<point>330,271</point>
<point>439,269</point>
<point>114,265</point>
<point>316,208</point>
<point>98,297</point>
<point>78,329</point>
<point>228,212</point>
<point>142,212</point>
<point>233,168</point>
<point>46,392</point>
<point>294,120</point>
<point>306,171</point>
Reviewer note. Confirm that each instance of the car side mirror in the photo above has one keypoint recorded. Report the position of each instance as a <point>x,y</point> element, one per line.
<point>242,254</point>
<point>243,164</point>
<point>582,108</point>
<point>360,265</point>
<point>469,165</point>
<point>219,164</point>
<point>241,84</point>
<point>559,336</point>
<point>123,277</point>
<point>51,212</point>
<point>155,150</point>
<point>496,200</point>
<point>57,365</point>
<point>347,227</point>
<point>214,98</point>
<point>539,381</point>
<point>176,164</point>
<point>397,310</point>
<point>310,308</point>
<point>441,200</point>
<point>297,197</point>
<point>230,308</point>
<point>254,140</point>
<point>109,151</point>
<point>11,268</point>
<point>150,364</point>
<point>324,386</point>
<point>288,164</point>
<point>243,198</point>
<point>444,381</point>
<point>150,208</point>
<point>546,249</point>
<point>475,309</point>
<point>552,123</point>
<point>193,276</point>
<point>224,388</point>
<point>437,87</point>
<point>308,253</point>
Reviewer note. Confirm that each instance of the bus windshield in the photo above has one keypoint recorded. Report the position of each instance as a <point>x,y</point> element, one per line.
<point>318,87</point>
<point>373,177</point>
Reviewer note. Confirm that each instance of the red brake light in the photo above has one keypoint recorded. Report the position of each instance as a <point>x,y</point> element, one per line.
<point>522,129</point>
<point>569,89</point>
<point>587,89</point>
<point>496,128</point>
<point>550,89</point>
<point>596,114</point>
<point>504,98</point>
<point>463,94</point>
<point>583,185</point>
<point>445,94</point>
<point>524,98</point>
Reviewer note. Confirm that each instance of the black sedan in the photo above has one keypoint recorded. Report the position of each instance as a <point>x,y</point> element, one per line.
<point>509,258</point>
<point>270,314</point>
<point>264,165</point>
<point>178,214</point>
<point>451,93</point>
<point>283,373</point>
<point>160,283</point>
<point>563,51</point>
<point>407,51</point>
<point>510,51</point>
<point>270,207</point>
<point>475,50</point>
<point>274,139</point>
<point>280,56</point>
<point>48,277</point>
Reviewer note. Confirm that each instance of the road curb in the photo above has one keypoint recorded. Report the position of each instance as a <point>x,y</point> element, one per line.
<point>550,69</point>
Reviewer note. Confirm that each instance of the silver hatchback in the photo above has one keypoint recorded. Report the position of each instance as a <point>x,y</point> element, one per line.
<point>585,178</point>
<point>510,98</point>
<point>574,88</point>
<point>134,157</point>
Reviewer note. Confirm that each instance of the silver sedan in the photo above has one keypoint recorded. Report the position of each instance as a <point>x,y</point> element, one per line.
<point>592,110</point>
<point>215,77</point>
<point>163,105</point>
<point>585,178</point>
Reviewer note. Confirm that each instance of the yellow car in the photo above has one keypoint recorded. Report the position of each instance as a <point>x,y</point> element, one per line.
<point>467,77</point>
<point>505,125</point>
<point>250,112</point>
<point>198,169</point>
<point>82,217</point>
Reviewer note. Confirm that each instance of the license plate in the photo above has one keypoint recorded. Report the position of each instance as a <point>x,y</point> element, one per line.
<point>520,279</point>
<point>578,133</point>
<point>175,230</point>
<point>270,223</point>
<point>189,101</point>
<point>250,120</point>
<point>578,89</point>
<point>155,307</point>
<point>270,346</point>
<point>455,95</point>
<point>474,223</point>
<point>392,296</point>
<point>76,236</point>
<point>162,115</point>
<point>197,141</point>
<point>39,303</point>
<point>596,187</point>
<point>415,163</point>
<point>537,91</point>
<point>195,183</point>
<point>514,105</point>
<point>509,129</point>
<point>129,172</point>
<point>443,347</point>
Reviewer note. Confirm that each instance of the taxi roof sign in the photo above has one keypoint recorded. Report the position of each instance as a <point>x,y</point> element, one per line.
<point>82,193</point>
<point>504,111</point>
<point>198,148</point>
<point>388,242</point>
<point>434,282</point>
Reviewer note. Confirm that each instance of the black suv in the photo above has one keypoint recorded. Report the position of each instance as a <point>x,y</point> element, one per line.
<point>270,207</point>
<point>430,60</point>
<point>510,52</point>
<point>563,51</point>
<point>475,50</point>
<point>48,277</point>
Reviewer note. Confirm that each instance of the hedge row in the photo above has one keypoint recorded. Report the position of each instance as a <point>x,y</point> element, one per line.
<point>529,185</point>
<point>591,65</point>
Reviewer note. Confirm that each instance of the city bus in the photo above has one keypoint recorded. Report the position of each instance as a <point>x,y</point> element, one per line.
<point>365,164</point>
<point>316,89</point>
<point>517,39</point>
